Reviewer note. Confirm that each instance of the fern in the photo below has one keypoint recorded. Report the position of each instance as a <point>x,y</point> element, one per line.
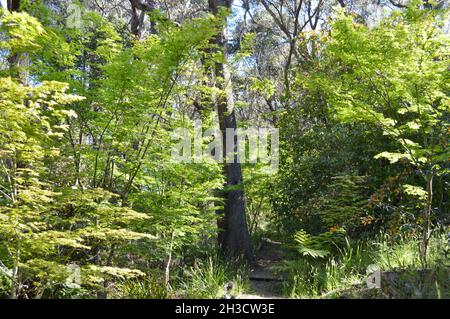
<point>309,246</point>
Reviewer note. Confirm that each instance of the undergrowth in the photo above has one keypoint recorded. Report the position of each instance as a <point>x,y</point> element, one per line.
<point>313,276</point>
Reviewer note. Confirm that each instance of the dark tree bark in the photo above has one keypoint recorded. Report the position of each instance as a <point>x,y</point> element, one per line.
<point>18,63</point>
<point>13,5</point>
<point>234,238</point>
<point>139,9</point>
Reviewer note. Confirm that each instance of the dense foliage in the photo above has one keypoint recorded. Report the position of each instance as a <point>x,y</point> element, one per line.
<point>92,204</point>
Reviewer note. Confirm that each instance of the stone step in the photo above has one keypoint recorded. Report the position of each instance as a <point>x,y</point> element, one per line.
<point>261,274</point>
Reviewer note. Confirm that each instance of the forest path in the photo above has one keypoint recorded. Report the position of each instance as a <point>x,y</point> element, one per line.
<point>264,283</point>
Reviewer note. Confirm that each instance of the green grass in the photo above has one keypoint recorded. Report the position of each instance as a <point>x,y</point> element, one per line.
<point>150,287</point>
<point>204,279</point>
<point>207,277</point>
<point>313,278</point>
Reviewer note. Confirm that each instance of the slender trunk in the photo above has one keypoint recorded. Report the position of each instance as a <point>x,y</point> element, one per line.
<point>15,274</point>
<point>234,238</point>
<point>15,283</point>
<point>169,260</point>
<point>103,293</point>
<point>427,219</point>
<point>441,193</point>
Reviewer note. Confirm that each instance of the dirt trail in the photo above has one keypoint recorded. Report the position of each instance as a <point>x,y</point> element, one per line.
<point>264,283</point>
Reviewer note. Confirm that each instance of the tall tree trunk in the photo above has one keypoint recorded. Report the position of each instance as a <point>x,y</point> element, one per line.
<point>18,63</point>
<point>234,238</point>
<point>13,5</point>
<point>18,66</point>
<point>139,10</point>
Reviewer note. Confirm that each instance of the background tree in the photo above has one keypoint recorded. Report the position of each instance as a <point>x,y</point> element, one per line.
<point>234,237</point>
